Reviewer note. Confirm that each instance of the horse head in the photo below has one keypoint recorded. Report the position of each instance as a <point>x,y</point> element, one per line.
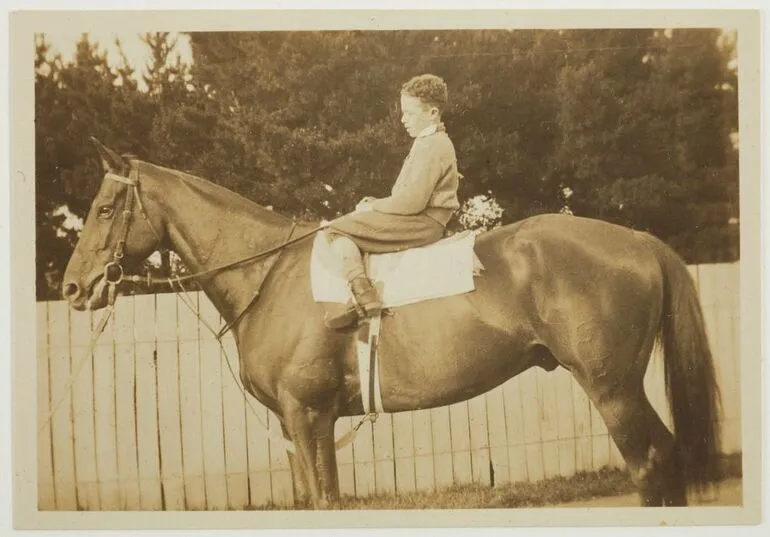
<point>117,225</point>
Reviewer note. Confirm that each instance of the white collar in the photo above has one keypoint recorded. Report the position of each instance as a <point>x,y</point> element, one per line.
<point>427,131</point>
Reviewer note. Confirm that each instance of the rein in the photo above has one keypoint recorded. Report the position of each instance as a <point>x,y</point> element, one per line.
<point>114,275</point>
<point>133,181</point>
<point>150,280</point>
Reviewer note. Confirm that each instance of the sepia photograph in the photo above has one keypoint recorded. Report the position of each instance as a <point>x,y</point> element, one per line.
<point>389,267</point>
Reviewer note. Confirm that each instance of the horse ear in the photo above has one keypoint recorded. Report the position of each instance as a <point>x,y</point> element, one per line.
<point>111,161</point>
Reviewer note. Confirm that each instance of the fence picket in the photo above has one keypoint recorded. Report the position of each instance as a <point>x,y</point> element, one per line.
<point>345,466</point>
<point>424,476</point>
<point>403,439</point>
<point>125,403</point>
<point>581,408</point>
<point>514,425</point>
<point>549,423</point>
<point>83,413</point>
<point>105,417</point>
<point>600,441</point>
<point>234,425</point>
<point>363,460</point>
<point>61,421</point>
<point>731,353</point>
<point>461,443</point>
<point>211,408</point>
<point>531,420</point>
<point>498,438</point>
<point>477,414</point>
<point>384,460</point>
<point>45,482</point>
<point>169,423</point>
<point>565,416</point>
<point>190,404</point>
<point>258,452</point>
<point>148,449</point>
<point>719,308</point>
<point>280,471</point>
<point>442,446</point>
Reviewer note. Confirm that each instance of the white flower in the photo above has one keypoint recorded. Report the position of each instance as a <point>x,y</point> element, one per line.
<point>481,213</point>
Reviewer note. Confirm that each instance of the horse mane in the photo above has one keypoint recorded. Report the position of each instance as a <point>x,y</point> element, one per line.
<point>212,190</point>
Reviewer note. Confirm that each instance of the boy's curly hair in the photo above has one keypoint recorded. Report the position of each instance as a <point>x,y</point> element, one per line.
<point>430,89</point>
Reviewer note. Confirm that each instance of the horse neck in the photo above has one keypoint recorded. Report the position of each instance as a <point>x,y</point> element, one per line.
<point>209,226</point>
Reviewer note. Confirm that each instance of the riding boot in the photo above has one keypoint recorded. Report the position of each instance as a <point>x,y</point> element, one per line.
<point>365,300</point>
<point>366,296</point>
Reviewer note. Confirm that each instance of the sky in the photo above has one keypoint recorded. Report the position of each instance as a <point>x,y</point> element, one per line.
<point>63,42</point>
<point>138,54</point>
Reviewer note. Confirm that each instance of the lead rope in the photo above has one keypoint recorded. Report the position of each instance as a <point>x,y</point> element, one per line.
<point>272,434</point>
<point>111,294</point>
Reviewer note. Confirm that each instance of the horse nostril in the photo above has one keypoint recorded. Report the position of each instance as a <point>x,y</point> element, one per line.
<point>70,290</point>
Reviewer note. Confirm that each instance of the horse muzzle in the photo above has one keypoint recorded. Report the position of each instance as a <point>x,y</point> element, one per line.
<point>91,296</point>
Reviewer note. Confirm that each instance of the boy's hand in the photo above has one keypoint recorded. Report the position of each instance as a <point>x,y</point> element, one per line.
<point>363,206</point>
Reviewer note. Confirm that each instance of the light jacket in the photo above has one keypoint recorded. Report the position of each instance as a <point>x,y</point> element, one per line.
<point>428,181</point>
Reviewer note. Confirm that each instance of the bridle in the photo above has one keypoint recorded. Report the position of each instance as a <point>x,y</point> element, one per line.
<point>113,270</point>
<point>114,273</point>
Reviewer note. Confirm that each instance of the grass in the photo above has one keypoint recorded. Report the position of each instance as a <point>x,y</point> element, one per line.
<point>557,490</point>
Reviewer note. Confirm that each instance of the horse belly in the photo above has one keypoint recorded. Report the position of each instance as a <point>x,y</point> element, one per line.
<point>448,366</point>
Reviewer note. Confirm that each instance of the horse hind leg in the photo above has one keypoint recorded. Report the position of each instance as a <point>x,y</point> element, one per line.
<point>646,445</point>
<point>662,474</point>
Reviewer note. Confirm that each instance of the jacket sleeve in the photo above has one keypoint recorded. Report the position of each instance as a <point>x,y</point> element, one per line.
<point>414,188</point>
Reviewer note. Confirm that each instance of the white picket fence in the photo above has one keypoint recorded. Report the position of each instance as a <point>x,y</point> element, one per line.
<point>156,421</point>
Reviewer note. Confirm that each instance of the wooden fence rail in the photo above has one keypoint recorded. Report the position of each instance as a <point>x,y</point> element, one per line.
<point>156,420</point>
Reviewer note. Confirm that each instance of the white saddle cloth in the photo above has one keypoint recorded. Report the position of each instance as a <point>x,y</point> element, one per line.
<point>441,269</point>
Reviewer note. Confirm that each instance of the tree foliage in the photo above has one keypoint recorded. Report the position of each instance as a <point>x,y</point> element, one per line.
<point>631,126</point>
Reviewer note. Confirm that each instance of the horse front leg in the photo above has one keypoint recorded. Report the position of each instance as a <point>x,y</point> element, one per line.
<point>298,476</point>
<point>327,458</point>
<point>311,438</point>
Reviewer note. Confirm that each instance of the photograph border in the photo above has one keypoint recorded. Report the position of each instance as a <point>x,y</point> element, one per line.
<point>23,25</point>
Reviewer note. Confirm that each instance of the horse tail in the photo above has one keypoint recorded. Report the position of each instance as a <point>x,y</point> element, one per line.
<point>691,386</point>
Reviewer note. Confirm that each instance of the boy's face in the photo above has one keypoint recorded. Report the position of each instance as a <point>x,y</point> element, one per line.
<point>416,115</point>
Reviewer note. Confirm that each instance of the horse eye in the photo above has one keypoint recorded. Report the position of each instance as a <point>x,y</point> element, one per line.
<point>105,211</point>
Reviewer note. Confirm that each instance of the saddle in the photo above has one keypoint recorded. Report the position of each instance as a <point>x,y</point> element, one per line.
<point>444,268</point>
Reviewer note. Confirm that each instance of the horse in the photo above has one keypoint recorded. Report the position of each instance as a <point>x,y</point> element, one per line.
<point>557,291</point>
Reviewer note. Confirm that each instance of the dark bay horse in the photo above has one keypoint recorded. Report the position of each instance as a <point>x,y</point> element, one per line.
<point>558,290</point>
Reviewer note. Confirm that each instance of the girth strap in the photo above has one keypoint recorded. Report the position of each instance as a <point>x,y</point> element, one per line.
<point>367,347</point>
